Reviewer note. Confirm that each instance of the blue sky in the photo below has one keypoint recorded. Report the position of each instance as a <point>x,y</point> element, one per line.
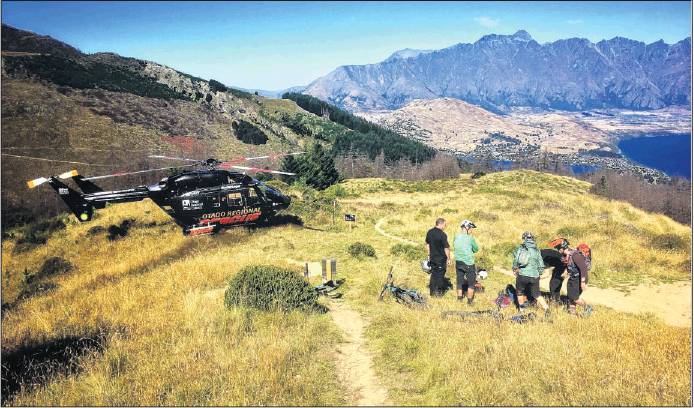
<point>277,45</point>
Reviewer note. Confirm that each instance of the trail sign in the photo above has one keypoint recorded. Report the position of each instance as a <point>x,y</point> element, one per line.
<point>351,217</point>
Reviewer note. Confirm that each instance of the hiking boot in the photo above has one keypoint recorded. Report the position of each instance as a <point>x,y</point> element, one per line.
<point>469,302</point>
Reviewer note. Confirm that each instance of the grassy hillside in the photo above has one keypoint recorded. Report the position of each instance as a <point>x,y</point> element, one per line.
<point>108,131</point>
<point>153,303</point>
<point>108,113</point>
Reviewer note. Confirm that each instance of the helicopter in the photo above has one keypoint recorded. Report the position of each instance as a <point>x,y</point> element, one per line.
<point>201,202</point>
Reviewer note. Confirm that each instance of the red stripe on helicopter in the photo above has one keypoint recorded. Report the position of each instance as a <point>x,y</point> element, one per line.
<point>236,219</point>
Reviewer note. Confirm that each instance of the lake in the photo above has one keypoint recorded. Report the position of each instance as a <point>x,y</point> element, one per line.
<point>669,153</point>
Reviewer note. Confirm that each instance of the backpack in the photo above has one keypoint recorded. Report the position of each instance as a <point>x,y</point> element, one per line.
<point>522,256</point>
<point>585,250</point>
<point>507,297</point>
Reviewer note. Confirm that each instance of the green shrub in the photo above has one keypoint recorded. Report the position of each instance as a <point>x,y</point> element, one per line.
<point>239,93</point>
<point>88,74</point>
<point>216,86</point>
<point>249,133</point>
<point>408,251</point>
<point>268,287</point>
<point>359,249</point>
<point>53,265</point>
<point>335,191</point>
<point>314,205</point>
<point>297,124</point>
<point>37,233</point>
<point>670,242</point>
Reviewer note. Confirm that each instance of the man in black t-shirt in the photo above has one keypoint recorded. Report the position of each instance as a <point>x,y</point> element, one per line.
<point>439,254</point>
<point>553,258</point>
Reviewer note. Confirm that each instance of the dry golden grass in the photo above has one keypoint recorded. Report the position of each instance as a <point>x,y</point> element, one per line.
<point>159,298</point>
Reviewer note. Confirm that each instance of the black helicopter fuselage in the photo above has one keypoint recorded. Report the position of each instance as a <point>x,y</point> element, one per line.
<point>201,202</point>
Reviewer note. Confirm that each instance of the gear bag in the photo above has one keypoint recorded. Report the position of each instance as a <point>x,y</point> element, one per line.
<point>522,256</point>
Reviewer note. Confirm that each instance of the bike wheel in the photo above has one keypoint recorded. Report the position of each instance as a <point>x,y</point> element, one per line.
<point>413,301</point>
<point>383,292</point>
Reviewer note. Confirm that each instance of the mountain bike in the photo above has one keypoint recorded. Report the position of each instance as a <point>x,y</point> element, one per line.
<point>408,297</point>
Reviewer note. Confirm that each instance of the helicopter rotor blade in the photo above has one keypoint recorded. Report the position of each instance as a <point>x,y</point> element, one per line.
<point>173,158</point>
<point>36,182</point>
<point>53,160</point>
<point>137,172</point>
<point>262,170</point>
<point>69,174</point>
<point>274,156</point>
<point>229,163</point>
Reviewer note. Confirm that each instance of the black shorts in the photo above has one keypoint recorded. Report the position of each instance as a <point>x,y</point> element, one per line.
<point>573,289</point>
<point>527,286</point>
<point>437,282</point>
<point>466,275</point>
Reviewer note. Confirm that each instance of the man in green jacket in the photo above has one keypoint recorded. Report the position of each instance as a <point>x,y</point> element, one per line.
<point>528,266</point>
<point>465,247</point>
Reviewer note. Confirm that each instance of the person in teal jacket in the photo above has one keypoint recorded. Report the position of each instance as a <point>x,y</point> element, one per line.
<point>464,248</point>
<point>528,266</point>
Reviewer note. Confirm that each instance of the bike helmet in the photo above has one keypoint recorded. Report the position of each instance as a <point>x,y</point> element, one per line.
<point>467,224</point>
<point>528,235</point>
<point>483,274</point>
<point>559,243</point>
<point>425,266</point>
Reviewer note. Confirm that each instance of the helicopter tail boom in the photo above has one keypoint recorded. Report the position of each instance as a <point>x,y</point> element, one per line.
<point>85,185</point>
<point>82,209</point>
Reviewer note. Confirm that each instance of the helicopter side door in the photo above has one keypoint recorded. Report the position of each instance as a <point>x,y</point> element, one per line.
<point>255,203</point>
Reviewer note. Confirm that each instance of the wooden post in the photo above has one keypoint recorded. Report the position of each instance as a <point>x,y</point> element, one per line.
<point>306,270</point>
<point>333,270</point>
<point>324,271</point>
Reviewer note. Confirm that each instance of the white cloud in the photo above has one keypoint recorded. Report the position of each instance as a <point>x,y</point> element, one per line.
<point>574,22</point>
<point>488,22</point>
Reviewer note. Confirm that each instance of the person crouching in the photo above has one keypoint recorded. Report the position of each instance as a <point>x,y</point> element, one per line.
<point>577,267</point>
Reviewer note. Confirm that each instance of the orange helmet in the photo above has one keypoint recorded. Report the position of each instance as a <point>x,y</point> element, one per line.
<point>558,243</point>
<point>584,249</point>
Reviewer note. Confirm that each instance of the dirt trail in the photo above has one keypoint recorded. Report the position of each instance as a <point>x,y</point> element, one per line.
<point>353,360</point>
<point>671,302</point>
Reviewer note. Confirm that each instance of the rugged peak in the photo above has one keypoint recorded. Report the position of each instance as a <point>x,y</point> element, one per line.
<point>406,53</point>
<point>522,35</point>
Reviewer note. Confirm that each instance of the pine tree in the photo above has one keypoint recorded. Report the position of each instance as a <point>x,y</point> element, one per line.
<point>317,167</point>
<point>291,165</point>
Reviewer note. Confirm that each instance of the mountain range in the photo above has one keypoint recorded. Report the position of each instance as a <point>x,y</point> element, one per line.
<point>501,71</point>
